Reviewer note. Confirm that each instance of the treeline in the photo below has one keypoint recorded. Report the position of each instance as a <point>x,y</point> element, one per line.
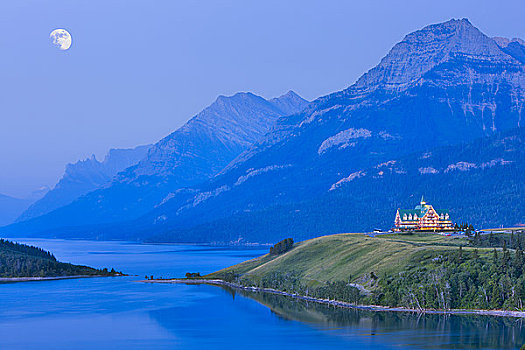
<point>282,246</point>
<point>459,280</point>
<point>6,245</point>
<point>291,282</point>
<point>510,240</point>
<point>20,260</point>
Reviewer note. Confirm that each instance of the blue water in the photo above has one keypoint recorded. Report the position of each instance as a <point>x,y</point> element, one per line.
<point>120,313</point>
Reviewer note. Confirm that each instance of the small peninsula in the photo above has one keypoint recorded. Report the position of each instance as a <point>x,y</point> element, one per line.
<point>20,262</point>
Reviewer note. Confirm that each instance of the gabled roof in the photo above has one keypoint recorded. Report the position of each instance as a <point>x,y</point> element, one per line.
<point>442,211</point>
<point>420,211</point>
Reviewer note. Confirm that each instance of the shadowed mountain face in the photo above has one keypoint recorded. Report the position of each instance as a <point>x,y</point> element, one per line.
<point>481,182</point>
<point>83,177</point>
<point>447,84</point>
<point>191,154</point>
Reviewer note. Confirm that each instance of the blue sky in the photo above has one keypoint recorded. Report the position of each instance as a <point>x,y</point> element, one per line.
<point>137,70</point>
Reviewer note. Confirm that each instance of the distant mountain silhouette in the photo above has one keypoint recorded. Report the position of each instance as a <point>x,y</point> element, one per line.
<point>11,208</point>
<point>191,154</point>
<point>83,177</point>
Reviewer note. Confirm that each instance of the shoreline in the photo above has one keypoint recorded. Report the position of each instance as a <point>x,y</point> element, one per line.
<point>36,279</point>
<point>205,244</point>
<point>218,282</point>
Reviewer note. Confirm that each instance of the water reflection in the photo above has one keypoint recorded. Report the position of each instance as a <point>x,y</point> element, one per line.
<point>428,331</point>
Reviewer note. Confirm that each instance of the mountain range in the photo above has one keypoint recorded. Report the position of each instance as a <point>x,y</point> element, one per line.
<point>441,114</point>
<point>188,156</point>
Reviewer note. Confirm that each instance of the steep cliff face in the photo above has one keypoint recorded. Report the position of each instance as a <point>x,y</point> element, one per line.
<point>191,154</point>
<point>83,177</point>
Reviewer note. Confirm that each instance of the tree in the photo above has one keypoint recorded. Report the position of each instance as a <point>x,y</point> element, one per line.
<point>495,296</point>
<point>518,262</point>
<point>282,246</point>
<point>193,274</point>
<point>505,259</point>
<point>460,254</point>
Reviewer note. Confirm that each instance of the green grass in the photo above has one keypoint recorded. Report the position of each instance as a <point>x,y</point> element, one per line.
<point>348,257</point>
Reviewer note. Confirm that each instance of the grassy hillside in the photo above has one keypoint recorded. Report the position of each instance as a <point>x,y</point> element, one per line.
<point>346,257</point>
<point>417,271</point>
<point>20,260</point>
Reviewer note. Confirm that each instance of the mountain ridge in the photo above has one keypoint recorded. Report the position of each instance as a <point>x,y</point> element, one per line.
<point>83,177</point>
<point>189,155</point>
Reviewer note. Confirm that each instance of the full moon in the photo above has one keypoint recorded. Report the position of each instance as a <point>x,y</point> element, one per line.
<point>61,38</point>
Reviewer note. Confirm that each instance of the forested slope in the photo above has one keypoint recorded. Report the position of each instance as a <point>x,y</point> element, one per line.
<point>20,260</point>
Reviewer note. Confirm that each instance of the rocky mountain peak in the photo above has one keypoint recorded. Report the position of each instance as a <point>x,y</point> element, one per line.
<point>514,47</point>
<point>504,42</point>
<point>82,177</point>
<point>231,122</point>
<point>424,49</point>
<point>289,103</point>
<point>235,98</point>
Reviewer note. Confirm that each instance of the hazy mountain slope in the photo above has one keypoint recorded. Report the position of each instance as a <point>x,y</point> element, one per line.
<point>191,154</point>
<point>11,208</point>
<point>83,177</point>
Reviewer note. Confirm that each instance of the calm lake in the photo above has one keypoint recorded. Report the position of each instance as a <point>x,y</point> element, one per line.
<point>120,313</point>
